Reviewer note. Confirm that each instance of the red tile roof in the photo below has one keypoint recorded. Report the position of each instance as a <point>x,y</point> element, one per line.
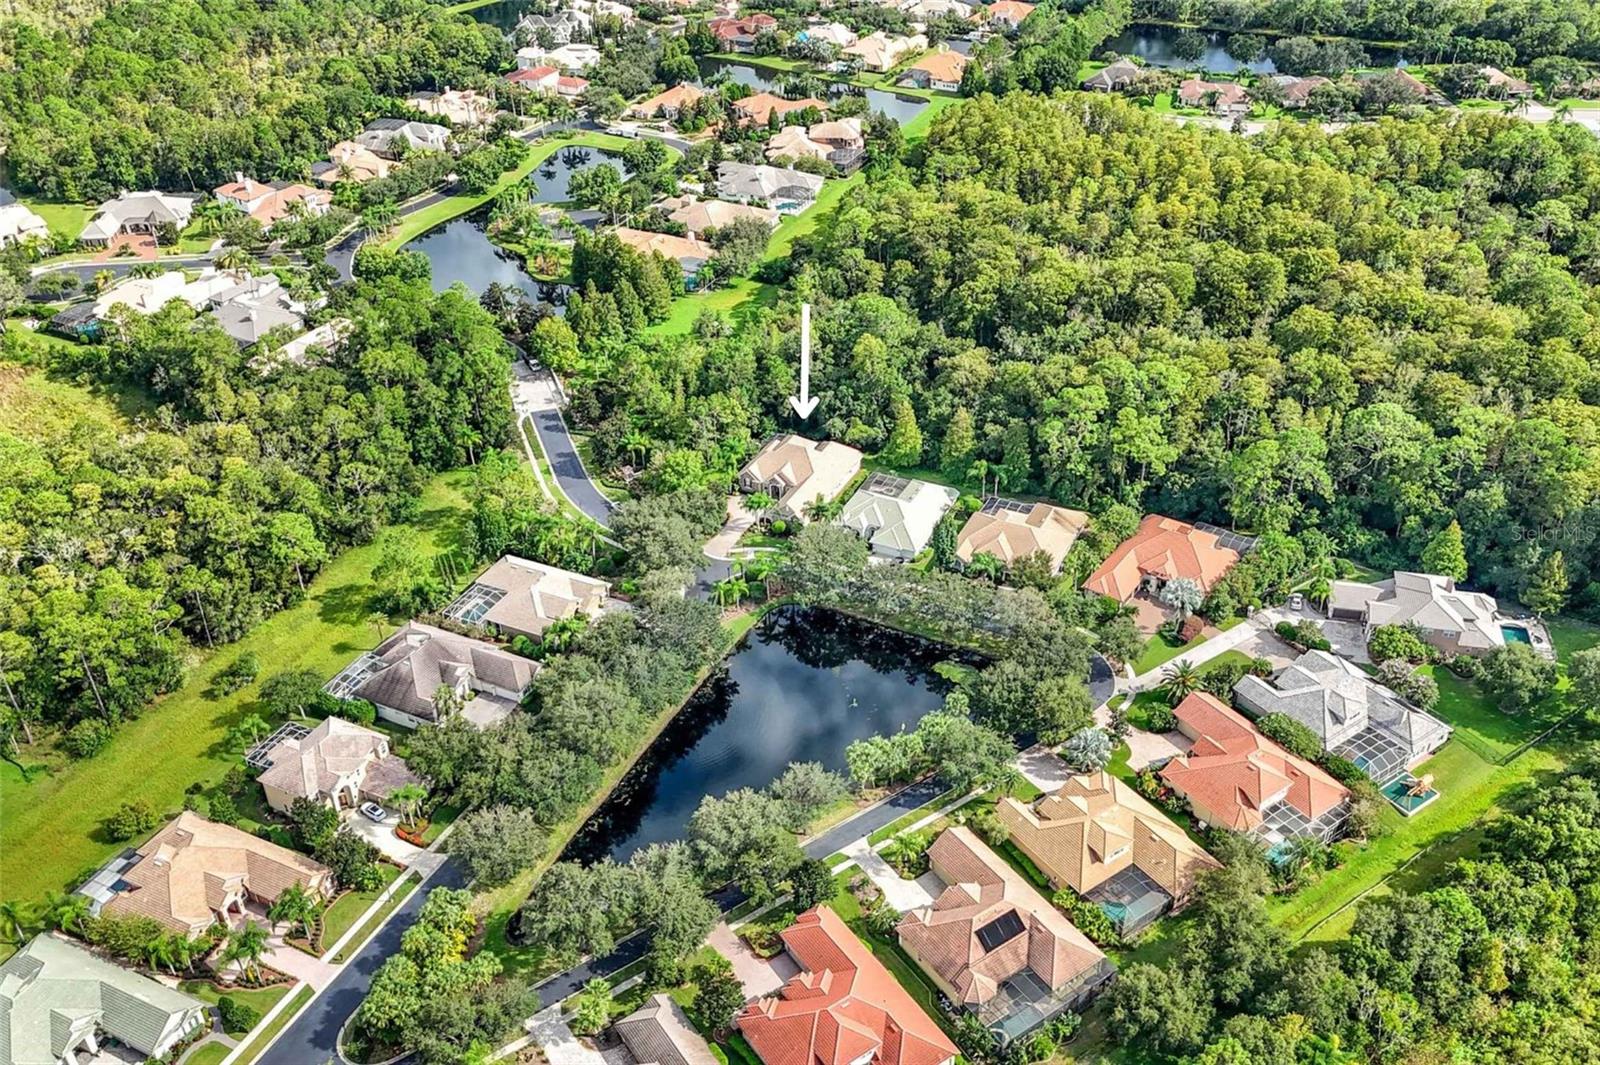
<point>1164,548</point>
<point>843,1006</point>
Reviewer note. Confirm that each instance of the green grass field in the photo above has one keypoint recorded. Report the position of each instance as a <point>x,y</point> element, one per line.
<point>261,1001</point>
<point>62,218</point>
<point>37,407</point>
<point>263,1036</point>
<point>1159,650</point>
<point>53,832</point>
<point>348,908</point>
<point>403,892</point>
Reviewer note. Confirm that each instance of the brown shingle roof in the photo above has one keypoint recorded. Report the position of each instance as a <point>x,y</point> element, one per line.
<point>312,765</point>
<point>419,658</point>
<point>1009,534</point>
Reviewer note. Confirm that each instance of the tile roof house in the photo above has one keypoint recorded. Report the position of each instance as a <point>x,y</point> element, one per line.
<point>994,945</point>
<point>659,1033</point>
<point>843,1008</point>
<point>1010,531</point>
<point>193,873</point>
<point>1225,98</point>
<point>1113,77</point>
<point>339,763</point>
<point>940,69</point>
<point>402,674</point>
<point>1160,550</point>
<point>349,161</point>
<point>897,515</point>
<point>758,108</point>
<point>59,1003</point>
<point>834,33</point>
<point>571,87</point>
<point>792,142</point>
<point>697,216</point>
<point>1454,621</point>
<point>1101,838</point>
<point>739,34</point>
<point>688,253</point>
<point>1503,84</point>
<point>1236,778</point>
<point>17,224</point>
<point>669,103</point>
<point>536,78</point>
<point>1353,715</point>
<point>786,190</point>
<point>381,136</point>
<point>570,57</point>
<point>797,472</point>
<point>1006,14</point>
<point>268,202</point>
<point>459,107</point>
<point>519,597</point>
<point>137,212</point>
<point>880,52</point>
<point>1297,91</point>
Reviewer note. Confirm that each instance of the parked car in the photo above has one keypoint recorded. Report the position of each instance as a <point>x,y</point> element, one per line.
<point>1297,601</point>
<point>373,812</point>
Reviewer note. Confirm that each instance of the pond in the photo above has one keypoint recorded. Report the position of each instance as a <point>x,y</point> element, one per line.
<point>1154,44</point>
<point>900,108</point>
<point>801,687</point>
<point>549,181</point>
<point>503,15</point>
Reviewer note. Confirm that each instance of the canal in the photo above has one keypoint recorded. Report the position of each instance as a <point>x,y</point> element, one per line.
<point>801,687</point>
<point>1156,46</point>
<point>900,108</point>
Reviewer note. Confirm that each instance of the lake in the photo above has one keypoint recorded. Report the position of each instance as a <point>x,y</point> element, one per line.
<point>1154,45</point>
<point>503,15</point>
<point>900,108</point>
<point>801,687</point>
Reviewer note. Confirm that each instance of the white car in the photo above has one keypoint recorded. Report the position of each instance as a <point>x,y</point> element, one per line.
<point>373,812</point>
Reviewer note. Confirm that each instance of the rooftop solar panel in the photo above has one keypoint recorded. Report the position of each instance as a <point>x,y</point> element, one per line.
<point>1000,931</point>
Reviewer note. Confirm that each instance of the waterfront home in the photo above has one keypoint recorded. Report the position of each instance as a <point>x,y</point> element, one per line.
<point>1352,715</point>
<point>459,107</point>
<point>928,10</point>
<point>791,143</point>
<point>1446,617</point>
<point>349,161</point>
<point>339,763</point>
<point>520,597</point>
<point>1235,778</point>
<point>739,34</point>
<point>574,58</point>
<point>996,947</point>
<point>139,213</point>
<point>835,33</point>
<point>269,202</point>
<point>1101,838</point>
<point>559,27</point>
<point>1225,98</point>
<point>797,472</point>
<point>404,675</point>
<point>1009,531</point>
<point>690,254</point>
<point>195,873</point>
<point>897,515</point>
<point>18,224</point>
<point>1504,86</point>
<point>383,136</point>
<point>758,108</point>
<point>881,52</point>
<point>787,191</point>
<point>1297,91</point>
<point>1114,77</point>
<point>842,1008</point>
<point>667,104</point>
<point>1160,550</point>
<point>60,1004</point>
<point>940,69</point>
<point>698,216</point>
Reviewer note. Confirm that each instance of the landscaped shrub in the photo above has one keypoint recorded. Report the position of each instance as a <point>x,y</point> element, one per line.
<point>1160,719</point>
<point>87,738</point>
<point>981,818</point>
<point>779,527</point>
<point>1466,666</point>
<point>1220,679</point>
<point>1517,676</point>
<point>223,811</point>
<point>1087,750</point>
<point>1290,734</point>
<point>1403,677</point>
<point>1395,641</point>
<point>131,819</point>
<point>237,674</point>
<point>198,804</point>
<point>1303,633</point>
<point>908,854</point>
<point>1090,919</point>
<point>358,711</point>
<point>880,918</point>
<point>238,1017</point>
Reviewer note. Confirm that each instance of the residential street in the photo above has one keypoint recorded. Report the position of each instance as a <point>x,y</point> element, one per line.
<point>535,393</point>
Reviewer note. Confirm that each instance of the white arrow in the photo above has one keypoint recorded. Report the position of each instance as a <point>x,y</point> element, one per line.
<point>804,403</point>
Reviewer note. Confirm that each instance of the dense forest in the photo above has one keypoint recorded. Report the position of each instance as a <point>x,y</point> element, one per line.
<point>179,95</point>
<point>121,547</point>
<point>1370,334</point>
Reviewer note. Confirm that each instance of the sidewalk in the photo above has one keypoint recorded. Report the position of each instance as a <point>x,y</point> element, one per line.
<point>1240,634</point>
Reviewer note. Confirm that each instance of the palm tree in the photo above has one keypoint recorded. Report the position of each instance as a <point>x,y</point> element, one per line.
<point>208,216</point>
<point>146,270</point>
<point>16,920</point>
<point>408,799</point>
<point>1179,681</point>
<point>820,509</point>
<point>102,280</point>
<point>984,564</point>
<point>760,505</point>
<point>246,946</point>
<point>733,588</point>
<point>67,912</point>
<point>762,568</point>
<point>297,906</point>
<point>234,258</point>
<point>380,217</point>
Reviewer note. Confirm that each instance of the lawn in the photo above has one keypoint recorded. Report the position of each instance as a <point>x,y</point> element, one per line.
<point>53,834</point>
<point>262,1000</point>
<point>1159,651</point>
<point>263,1036</point>
<point>37,407</point>
<point>210,1054</point>
<point>347,908</point>
<point>375,922</point>
<point>67,218</point>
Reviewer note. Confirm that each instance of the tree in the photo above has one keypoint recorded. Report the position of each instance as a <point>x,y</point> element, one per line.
<point>1120,638</point>
<point>745,837</point>
<point>960,439</point>
<point>904,446</point>
<point>1446,553</point>
<point>1516,676</point>
<point>1183,594</point>
<point>1088,750</point>
<point>16,921</point>
<point>131,819</point>
<point>821,559</point>
<point>591,1007</point>
<point>719,996</point>
<point>811,883</point>
<point>244,948</point>
<point>291,693</point>
<point>1162,1008</point>
<point>964,753</point>
<point>295,905</point>
<point>311,821</point>
<point>497,842</point>
<point>1546,589</point>
<point>807,790</point>
<point>1179,680</point>
<point>1583,670</point>
<point>353,860</point>
<point>408,799</point>
<point>67,911</point>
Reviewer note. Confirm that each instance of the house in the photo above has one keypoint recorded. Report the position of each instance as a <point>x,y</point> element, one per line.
<point>142,295</point>
<point>1419,88</point>
<point>689,253</point>
<point>840,141</point>
<point>1236,778</point>
<point>568,57</point>
<point>1297,91</point>
<point>1444,616</point>
<point>384,134</point>
<point>1353,715</point>
<point>659,1033</point>
<point>758,108</point>
<point>697,216</point>
<point>402,676</point>
<point>792,142</point>
<point>18,224</point>
<point>1006,15</point>
<point>1162,549</point>
<point>1505,86</point>
<point>312,346</point>
<point>1009,531</point>
<point>560,27</point>
<point>570,87</point>
<point>834,33</point>
<point>1225,98</point>
<point>786,190</point>
<point>194,873</point>
<point>459,107</point>
<point>881,52</point>
<point>797,472</point>
<point>739,34</point>
<point>349,161</point>
<point>60,1003</point>
<point>842,1008</point>
<point>940,69</point>
<point>1113,77</point>
<point>137,212</point>
<point>842,134</point>
<point>1101,838</point>
<point>897,515</point>
<point>928,10</point>
<point>248,323</point>
<point>995,946</point>
<point>668,104</point>
<point>338,763</point>
<point>270,202</point>
<point>542,79</point>
<point>519,597</point>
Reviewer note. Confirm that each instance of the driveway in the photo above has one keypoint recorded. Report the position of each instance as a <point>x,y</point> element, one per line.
<point>485,710</point>
<point>904,895</point>
<point>536,394</point>
<point>1043,768</point>
<point>555,1039</point>
<point>757,975</point>
<point>738,520</point>
<point>382,836</point>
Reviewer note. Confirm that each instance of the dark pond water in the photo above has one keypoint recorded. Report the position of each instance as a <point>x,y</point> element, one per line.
<point>503,15</point>
<point>550,180</point>
<point>900,108</point>
<point>1154,44</point>
<point>801,687</point>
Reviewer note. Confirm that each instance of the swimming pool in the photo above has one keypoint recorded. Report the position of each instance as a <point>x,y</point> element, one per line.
<point>1398,792</point>
<point>1515,634</point>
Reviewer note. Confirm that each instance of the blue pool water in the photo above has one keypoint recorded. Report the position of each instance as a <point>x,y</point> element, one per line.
<point>1515,634</point>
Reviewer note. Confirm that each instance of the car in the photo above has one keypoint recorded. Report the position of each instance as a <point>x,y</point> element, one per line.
<point>373,812</point>
<point>1297,601</point>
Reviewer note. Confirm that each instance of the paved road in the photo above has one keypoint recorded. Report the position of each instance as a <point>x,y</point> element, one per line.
<point>313,1036</point>
<point>1102,681</point>
<point>121,266</point>
<point>535,393</point>
<point>869,821</point>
